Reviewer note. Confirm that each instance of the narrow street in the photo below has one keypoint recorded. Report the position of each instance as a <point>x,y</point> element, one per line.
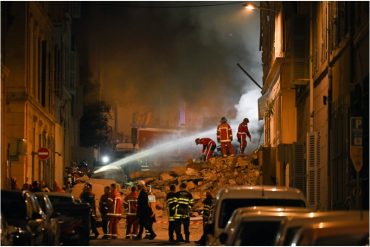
<point>160,228</point>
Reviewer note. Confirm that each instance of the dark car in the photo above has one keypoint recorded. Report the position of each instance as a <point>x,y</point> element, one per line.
<point>53,221</point>
<point>73,216</point>
<point>23,214</point>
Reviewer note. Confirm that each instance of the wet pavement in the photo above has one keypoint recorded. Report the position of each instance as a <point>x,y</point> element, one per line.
<point>160,228</point>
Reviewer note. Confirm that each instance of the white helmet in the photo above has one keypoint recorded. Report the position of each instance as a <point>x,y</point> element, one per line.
<point>141,182</point>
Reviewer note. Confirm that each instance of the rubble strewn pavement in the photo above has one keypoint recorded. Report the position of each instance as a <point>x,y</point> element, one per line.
<point>204,176</point>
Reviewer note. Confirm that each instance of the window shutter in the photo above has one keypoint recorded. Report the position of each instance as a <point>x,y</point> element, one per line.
<point>299,169</point>
<point>313,169</point>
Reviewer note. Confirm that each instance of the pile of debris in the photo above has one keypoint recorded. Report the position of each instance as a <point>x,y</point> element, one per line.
<point>205,176</point>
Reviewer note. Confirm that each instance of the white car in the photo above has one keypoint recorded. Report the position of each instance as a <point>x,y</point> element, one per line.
<point>339,232</point>
<point>256,225</point>
<point>288,230</point>
<point>231,198</point>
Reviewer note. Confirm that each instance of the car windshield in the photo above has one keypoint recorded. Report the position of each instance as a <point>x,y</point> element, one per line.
<point>13,206</point>
<point>229,205</point>
<point>257,233</point>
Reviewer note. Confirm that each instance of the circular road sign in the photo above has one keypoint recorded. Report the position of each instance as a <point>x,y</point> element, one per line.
<point>43,153</point>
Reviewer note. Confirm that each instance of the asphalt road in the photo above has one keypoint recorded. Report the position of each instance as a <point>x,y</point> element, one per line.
<point>160,228</point>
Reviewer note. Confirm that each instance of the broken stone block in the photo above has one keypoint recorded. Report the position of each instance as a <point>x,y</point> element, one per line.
<point>165,176</point>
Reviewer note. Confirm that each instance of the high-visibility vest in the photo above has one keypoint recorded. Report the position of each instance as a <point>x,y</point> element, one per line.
<point>184,204</point>
<point>131,203</point>
<point>224,133</point>
<point>171,202</point>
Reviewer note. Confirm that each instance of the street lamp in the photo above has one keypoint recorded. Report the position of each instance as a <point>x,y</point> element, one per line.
<point>251,7</point>
<point>105,159</point>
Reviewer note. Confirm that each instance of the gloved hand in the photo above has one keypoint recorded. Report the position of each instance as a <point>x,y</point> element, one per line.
<point>218,140</point>
<point>250,139</point>
<point>239,140</point>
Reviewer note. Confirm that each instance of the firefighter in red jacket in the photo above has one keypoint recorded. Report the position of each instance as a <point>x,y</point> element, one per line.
<point>132,222</point>
<point>225,137</point>
<point>242,134</point>
<point>208,147</point>
<point>115,211</point>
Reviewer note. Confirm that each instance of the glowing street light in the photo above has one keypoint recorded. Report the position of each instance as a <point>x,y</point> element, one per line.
<point>251,7</point>
<point>105,159</point>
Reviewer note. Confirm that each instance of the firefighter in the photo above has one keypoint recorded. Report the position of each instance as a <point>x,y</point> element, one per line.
<point>144,212</point>
<point>104,209</point>
<point>115,210</point>
<point>208,147</point>
<point>88,197</point>
<point>243,132</point>
<point>132,223</point>
<point>152,206</point>
<point>182,213</point>
<point>171,202</point>
<point>225,137</point>
<point>208,204</point>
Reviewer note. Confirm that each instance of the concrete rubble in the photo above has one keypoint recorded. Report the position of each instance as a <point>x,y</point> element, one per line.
<point>202,176</point>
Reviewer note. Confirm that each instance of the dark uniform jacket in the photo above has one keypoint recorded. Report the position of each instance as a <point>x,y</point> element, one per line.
<point>171,201</point>
<point>207,208</point>
<point>143,209</point>
<point>88,197</point>
<point>184,204</point>
<point>104,204</point>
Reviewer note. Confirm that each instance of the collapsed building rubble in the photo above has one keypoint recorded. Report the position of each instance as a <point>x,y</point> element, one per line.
<point>204,176</point>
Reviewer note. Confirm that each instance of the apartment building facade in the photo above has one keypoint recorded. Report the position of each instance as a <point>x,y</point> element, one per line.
<point>39,91</point>
<point>315,67</point>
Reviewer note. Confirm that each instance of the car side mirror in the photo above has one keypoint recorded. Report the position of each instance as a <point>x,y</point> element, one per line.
<point>223,238</point>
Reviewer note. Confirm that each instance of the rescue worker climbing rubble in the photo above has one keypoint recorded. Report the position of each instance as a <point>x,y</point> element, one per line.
<point>208,147</point>
<point>225,137</point>
<point>243,132</point>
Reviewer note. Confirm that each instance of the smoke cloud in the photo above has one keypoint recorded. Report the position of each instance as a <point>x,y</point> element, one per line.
<point>153,59</point>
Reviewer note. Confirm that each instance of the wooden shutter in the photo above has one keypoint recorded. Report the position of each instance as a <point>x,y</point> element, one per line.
<point>313,170</point>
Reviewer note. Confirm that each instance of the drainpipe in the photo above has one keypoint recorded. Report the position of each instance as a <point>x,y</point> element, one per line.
<point>330,81</point>
<point>311,75</point>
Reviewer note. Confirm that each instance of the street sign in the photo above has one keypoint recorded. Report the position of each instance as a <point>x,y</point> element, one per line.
<point>43,153</point>
<point>356,143</point>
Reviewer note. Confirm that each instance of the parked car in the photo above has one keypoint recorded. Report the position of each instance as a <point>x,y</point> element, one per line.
<point>289,229</point>
<point>73,216</point>
<point>256,225</point>
<point>23,214</point>
<point>339,232</point>
<point>11,235</point>
<point>233,197</point>
<point>53,222</point>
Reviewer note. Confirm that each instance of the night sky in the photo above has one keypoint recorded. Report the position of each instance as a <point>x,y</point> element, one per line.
<point>165,50</point>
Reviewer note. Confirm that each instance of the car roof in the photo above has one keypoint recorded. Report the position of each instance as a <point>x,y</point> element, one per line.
<point>321,216</point>
<point>263,214</point>
<point>271,209</point>
<point>59,194</point>
<point>317,216</point>
<point>333,231</point>
<point>262,191</point>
